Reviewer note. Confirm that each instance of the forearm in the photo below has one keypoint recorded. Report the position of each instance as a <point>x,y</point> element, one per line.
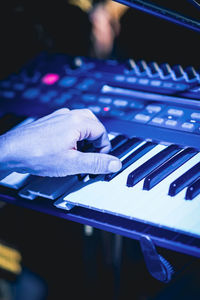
<point>5,164</point>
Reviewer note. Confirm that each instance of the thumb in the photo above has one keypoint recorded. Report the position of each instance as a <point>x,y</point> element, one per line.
<point>97,163</point>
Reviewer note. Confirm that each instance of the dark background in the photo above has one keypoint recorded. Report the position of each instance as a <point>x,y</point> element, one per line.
<point>28,27</point>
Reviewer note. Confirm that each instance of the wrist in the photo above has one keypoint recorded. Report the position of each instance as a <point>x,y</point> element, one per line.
<point>5,168</point>
<point>6,155</point>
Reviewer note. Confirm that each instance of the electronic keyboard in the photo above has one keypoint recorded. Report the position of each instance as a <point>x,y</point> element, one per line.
<point>152,114</point>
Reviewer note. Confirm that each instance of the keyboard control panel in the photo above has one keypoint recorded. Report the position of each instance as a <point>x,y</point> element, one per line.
<point>140,92</point>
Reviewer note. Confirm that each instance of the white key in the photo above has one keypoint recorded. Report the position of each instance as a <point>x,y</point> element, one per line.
<point>24,193</point>
<point>14,180</point>
<point>63,204</point>
<point>165,209</point>
<point>189,217</point>
<point>154,206</point>
<point>105,195</point>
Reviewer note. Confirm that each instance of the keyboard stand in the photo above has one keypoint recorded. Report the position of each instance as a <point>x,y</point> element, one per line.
<point>157,266</point>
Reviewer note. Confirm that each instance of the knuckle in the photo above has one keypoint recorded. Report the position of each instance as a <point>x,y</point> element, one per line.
<point>64,110</point>
<point>89,112</point>
<point>75,118</point>
<point>60,111</point>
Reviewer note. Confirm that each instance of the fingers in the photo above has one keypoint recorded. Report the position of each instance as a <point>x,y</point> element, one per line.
<point>102,143</point>
<point>98,136</point>
<point>94,163</point>
<point>65,128</point>
<point>92,129</point>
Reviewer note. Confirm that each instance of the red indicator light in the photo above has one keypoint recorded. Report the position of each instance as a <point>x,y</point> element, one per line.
<point>50,78</point>
<point>106,108</point>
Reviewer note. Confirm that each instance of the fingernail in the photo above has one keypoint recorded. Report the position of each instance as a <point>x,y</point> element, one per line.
<point>114,166</point>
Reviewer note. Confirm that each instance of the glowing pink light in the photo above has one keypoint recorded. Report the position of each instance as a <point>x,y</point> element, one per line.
<point>106,108</point>
<point>50,78</point>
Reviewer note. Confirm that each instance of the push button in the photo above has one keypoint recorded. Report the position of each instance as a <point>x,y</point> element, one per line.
<point>175,112</point>
<point>154,108</point>
<point>157,120</point>
<point>142,118</point>
<point>188,126</point>
<point>171,123</point>
<point>195,116</point>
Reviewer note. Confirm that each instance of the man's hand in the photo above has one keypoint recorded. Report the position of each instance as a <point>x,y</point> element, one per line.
<point>48,146</point>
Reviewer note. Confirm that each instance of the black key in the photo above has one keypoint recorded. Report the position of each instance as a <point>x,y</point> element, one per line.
<point>150,165</point>
<point>193,190</point>
<point>184,180</point>
<point>116,144</point>
<point>129,160</point>
<point>118,141</point>
<point>170,166</point>
<point>85,147</point>
<point>125,147</point>
<point>8,121</point>
<point>81,176</point>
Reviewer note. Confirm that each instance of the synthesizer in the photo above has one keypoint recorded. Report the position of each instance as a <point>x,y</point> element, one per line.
<point>152,114</point>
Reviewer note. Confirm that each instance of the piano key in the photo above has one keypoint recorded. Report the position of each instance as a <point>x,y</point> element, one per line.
<point>169,211</point>
<point>167,168</point>
<point>193,190</point>
<point>87,146</point>
<point>60,203</point>
<point>52,187</point>
<point>185,180</point>
<point>193,220</point>
<point>154,206</point>
<point>142,149</point>
<point>15,180</point>
<point>187,218</point>
<point>164,209</point>
<point>125,147</point>
<point>114,140</point>
<point>118,141</point>
<point>108,194</point>
<point>24,190</point>
<point>111,136</point>
<point>142,171</point>
<point>24,193</point>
